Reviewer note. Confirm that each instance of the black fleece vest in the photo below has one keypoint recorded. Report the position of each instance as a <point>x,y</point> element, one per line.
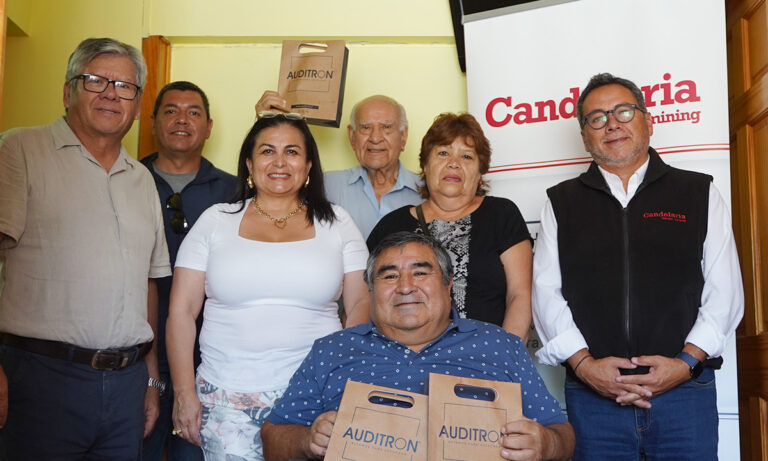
<point>632,276</point>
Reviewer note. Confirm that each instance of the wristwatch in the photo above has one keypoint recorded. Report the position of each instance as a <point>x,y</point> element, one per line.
<point>157,384</point>
<point>696,365</point>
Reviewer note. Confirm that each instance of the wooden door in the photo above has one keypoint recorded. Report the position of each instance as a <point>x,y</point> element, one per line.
<point>747,36</point>
<point>157,53</point>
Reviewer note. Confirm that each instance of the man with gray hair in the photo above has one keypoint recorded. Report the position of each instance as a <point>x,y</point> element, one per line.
<point>413,332</point>
<point>636,289</point>
<point>81,239</point>
<point>378,130</point>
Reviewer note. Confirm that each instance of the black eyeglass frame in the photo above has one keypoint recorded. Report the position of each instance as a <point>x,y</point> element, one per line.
<point>613,111</point>
<point>179,223</point>
<point>114,83</point>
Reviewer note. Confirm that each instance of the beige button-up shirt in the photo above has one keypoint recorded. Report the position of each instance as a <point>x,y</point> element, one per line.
<point>80,242</point>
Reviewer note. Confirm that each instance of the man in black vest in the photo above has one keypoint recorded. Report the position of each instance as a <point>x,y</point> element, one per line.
<point>636,289</point>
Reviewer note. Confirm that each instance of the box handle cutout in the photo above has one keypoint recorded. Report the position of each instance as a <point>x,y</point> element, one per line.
<point>475,392</point>
<point>390,399</point>
<point>312,47</point>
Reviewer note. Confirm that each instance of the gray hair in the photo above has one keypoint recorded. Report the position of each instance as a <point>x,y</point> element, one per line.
<point>91,48</point>
<point>400,239</point>
<point>604,79</point>
<point>400,109</point>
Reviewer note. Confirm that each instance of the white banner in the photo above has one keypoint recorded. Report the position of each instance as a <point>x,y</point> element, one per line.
<point>524,74</point>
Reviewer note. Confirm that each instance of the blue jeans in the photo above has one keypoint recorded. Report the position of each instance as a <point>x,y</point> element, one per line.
<point>177,449</point>
<point>60,410</point>
<point>682,423</point>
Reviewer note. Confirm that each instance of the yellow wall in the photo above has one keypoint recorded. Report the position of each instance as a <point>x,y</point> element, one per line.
<point>231,48</point>
<point>19,14</point>
<point>234,78</point>
<point>36,63</point>
<point>309,18</point>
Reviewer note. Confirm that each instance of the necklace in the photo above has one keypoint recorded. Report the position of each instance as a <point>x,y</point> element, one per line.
<point>278,222</point>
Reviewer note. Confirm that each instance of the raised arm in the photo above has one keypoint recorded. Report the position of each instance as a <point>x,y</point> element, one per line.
<point>271,100</point>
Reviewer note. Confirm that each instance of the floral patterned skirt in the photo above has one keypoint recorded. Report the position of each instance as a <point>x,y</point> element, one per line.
<point>231,428</point>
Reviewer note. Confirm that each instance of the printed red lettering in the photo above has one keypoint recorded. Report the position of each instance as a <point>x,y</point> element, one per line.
<point>489,112</point>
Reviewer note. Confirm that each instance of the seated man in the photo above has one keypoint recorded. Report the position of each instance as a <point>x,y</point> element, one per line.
<point>413,331</point>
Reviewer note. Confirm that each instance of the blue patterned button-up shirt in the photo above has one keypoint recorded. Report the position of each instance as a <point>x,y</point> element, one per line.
<point>468,348</point>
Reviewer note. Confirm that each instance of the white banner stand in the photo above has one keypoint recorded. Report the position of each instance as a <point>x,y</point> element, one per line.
<point>525,68</point>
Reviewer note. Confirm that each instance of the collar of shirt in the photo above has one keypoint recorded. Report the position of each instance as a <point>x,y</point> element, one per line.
<point>205,173</point>
<point>63,136</point>
<point>404,178</point>
<point>617,187</point>
<point>457,323</point>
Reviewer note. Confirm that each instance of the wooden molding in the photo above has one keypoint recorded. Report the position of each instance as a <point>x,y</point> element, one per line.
<point>753,366</point>
<point>157,53</point>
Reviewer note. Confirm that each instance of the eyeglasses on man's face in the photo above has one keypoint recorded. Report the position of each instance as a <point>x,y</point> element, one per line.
<point>99,84</point>
<point>179,222</point>
<point>624,113</point>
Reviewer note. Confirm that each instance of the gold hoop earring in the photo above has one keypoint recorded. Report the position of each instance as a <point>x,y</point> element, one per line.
<point>306,183</point>
<point>250,183</point>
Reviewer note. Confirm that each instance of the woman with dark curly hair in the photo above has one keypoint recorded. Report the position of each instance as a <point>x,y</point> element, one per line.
<point>486,237</point>
<point>272,264</point>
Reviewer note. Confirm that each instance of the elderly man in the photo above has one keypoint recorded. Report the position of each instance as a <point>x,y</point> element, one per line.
<point>81,235</point>
<point>413,332</point>
<point>636,289</point>
<point>187,184</point>
<point>378,129</point>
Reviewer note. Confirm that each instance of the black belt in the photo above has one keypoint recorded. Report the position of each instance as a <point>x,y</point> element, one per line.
<point>98,359</point>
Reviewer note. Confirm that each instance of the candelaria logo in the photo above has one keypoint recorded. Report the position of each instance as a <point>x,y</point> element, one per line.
<point>664,215</point>
<point>500,111</point>
<point>317,74</point>
<point>377,439</point>
<point>473,434</point>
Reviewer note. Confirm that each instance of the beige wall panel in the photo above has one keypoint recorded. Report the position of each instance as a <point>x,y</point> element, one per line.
<point>298,18</point>
<point>425,78</point>
<point>36,64</point>
<point>19,14</point>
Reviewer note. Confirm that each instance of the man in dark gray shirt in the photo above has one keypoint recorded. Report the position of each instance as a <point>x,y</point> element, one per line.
<point>187,185</point>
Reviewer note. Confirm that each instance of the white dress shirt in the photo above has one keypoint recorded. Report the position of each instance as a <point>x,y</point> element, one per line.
<point>722,298</point>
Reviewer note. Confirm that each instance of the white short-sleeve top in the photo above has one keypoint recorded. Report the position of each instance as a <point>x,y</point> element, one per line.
<point>266,301</point>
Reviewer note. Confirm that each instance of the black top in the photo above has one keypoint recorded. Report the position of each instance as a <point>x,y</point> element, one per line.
<point>475,243</point>
<point>632,276</point>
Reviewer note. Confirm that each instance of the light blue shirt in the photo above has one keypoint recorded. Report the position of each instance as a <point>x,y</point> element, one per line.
<point>353,191</point>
